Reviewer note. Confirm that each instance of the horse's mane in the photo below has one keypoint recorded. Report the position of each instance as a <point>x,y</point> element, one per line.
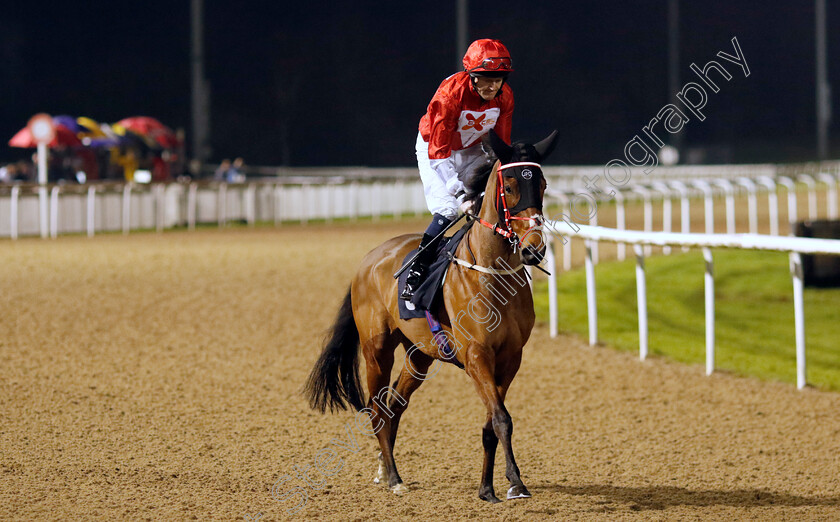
<point>475,177</point>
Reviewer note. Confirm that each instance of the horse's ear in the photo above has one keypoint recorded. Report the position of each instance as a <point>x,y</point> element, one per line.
<point>547,145</point>
<point>502,150</point>
<point>492,179</point>
<point>488,203</point>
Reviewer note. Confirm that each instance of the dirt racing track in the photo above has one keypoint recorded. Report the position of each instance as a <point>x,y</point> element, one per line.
<point>158,377</point>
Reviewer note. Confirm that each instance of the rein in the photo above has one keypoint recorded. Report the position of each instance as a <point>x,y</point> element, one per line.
<point>506,230</point>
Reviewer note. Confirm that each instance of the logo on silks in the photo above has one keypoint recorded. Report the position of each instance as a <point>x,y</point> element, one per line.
<point>527,174</point>
<point>475,123</point>
<point>472,125</point>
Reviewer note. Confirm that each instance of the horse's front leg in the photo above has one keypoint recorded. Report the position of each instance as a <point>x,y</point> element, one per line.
<point>480,366</point>
<point>489,440</point>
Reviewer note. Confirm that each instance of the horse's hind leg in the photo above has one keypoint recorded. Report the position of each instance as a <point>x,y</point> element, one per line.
<point>378,351</point>
<point>411,377</point>
<point>414,372</point>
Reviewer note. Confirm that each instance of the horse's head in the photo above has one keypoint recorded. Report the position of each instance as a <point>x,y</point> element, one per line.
<point>513,195</point>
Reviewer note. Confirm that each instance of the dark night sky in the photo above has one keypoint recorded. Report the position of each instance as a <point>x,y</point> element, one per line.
<point>351,80</point>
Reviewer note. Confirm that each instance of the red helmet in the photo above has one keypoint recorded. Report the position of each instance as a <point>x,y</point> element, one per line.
<point>487,57</point>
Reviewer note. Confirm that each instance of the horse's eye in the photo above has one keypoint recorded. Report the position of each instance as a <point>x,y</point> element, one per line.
<point>508,190</point>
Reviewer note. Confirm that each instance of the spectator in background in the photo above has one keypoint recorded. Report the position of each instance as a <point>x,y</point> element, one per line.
<point>160,168</point>
<point>194,168</point>
<point>221,172</point>
<point>127,159</point>
<point>25,172</point>
<point>234,173</point>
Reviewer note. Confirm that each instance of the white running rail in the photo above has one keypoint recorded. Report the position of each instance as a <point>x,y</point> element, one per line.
<point>795,246</point>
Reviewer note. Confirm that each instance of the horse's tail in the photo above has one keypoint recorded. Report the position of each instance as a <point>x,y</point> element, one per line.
<point>334,380</point>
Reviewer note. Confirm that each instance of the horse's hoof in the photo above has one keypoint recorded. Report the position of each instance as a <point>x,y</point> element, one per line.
<point>489,497</point>
<point>399,489</point>
<point>518,492</point>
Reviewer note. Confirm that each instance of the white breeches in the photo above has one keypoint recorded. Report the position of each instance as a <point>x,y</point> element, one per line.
<point>440,185</point>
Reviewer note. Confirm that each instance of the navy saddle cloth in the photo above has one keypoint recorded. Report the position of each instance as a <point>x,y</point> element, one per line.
<point>425,295</point>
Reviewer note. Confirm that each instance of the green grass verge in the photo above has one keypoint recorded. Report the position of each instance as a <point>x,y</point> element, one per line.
<point>754,328</point>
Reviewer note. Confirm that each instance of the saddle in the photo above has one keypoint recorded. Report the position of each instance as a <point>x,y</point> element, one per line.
<point>430,289</point>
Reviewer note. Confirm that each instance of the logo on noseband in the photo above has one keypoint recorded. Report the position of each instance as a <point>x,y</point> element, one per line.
<point>526,174</point>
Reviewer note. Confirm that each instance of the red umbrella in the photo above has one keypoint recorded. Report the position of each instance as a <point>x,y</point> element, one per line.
<point>142,124</point>
<point>63,136</point>
<point>147,126</point>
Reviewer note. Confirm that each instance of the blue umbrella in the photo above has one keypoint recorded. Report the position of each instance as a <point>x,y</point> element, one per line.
<point>69,122</point>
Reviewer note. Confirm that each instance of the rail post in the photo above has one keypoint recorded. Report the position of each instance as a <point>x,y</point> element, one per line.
<point>685,208</point>
<point>13,211</point>
<point>710,310</point>
<point>641,299</point>
<point>772,203</point>
<point>591,300</point>
<point>621,223</point>
<point>752,203</point>
<point>251,204</point>
<point>812,195</point>
<point>708,204</point>
<point>54,211</point>
<point>798,318</point>
<point>729,193</point>
<point>551,261</point>
<point>791,197</point>
<point>277,208</point>
<point>648,211</point>
<point>221,204</point>
<point>159,191</point>
<point>192,205</point>
<point>126,208</point>
<point>91,210</point>
<point>831,193</point>
<point>666,209</point>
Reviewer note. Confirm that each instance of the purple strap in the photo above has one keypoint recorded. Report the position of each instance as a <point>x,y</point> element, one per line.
<point>438,335</point>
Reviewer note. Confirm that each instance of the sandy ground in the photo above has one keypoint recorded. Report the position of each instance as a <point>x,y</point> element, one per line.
<point>157,377</point>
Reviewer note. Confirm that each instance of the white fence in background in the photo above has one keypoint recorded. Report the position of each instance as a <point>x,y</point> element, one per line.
<point>303,194</point>
<point>707,189</point>
<point>98,207</point>
<point>592,234</point>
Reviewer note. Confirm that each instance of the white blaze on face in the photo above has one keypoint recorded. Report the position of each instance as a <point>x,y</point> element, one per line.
<point>536,222</point>
<point>472,125</point>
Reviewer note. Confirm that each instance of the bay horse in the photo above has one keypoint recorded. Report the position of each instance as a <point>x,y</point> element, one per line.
<point>487,325</point>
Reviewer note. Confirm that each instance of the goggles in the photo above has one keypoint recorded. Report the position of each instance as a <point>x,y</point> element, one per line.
<point>494,64</point>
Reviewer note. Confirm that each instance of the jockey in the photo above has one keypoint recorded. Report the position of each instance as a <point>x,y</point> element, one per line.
<point>465,107</point>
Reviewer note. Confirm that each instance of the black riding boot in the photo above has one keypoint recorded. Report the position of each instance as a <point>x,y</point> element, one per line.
<point>419,268</point>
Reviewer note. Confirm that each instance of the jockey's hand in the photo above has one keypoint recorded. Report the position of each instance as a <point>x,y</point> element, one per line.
<point>467,207</point>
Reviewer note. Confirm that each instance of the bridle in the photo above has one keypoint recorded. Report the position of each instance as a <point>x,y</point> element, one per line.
<point>526,180</point>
